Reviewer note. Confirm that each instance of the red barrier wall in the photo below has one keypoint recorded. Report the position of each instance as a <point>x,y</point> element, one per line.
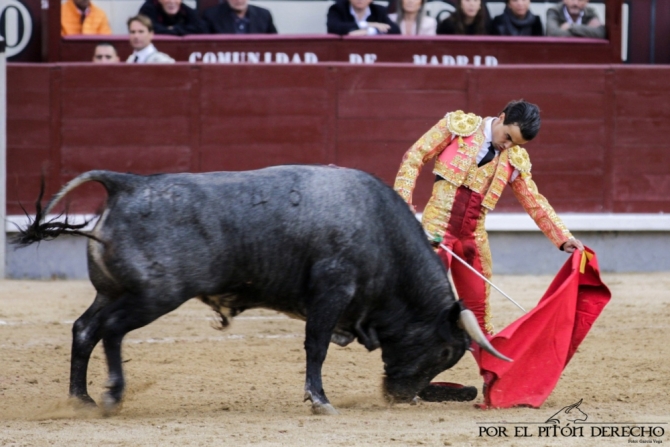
<point>600,148</point>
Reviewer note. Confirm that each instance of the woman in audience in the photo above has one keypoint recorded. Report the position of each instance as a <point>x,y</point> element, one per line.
<point>470,17</point>
<point>517,20</point>
<point>412,20</point>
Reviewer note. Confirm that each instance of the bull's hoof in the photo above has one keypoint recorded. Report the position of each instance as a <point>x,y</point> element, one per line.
<point>110,405</point>
<point>448,392</point>
<point>325,409</point>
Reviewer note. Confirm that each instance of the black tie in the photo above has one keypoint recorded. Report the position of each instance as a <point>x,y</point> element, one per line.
<point>488,157</point>
<point>137,58</point>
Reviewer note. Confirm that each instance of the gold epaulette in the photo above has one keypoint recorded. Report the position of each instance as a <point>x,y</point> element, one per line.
<point>518,157</point>
<point>463,124</point>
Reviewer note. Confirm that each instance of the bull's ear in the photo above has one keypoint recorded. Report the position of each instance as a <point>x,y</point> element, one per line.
<point>447,320</point>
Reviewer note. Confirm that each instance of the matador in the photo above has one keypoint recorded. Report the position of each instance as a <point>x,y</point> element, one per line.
<point>475,158</point>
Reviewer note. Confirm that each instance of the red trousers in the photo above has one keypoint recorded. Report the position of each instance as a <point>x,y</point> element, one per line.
<point>466,237</point>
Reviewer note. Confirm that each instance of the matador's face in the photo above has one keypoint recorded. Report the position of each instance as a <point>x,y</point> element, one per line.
<point>505,136</point>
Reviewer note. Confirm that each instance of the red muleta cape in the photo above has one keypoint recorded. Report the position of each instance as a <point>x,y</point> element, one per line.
<point>543,341</point>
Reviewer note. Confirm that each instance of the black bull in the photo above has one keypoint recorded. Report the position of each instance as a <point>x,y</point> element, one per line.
<point>335,247</point>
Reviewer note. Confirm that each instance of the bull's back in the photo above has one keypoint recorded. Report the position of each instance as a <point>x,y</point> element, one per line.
<point>295,199</point>
<point>212,229</point>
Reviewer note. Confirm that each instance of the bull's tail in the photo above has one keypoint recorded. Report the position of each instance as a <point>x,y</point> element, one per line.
<point>40,229</point>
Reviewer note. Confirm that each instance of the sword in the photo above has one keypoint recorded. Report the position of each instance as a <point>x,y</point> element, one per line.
<point>444,247</point>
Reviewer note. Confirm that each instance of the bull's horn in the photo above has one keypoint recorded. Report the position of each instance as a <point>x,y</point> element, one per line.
<point>468,322</point>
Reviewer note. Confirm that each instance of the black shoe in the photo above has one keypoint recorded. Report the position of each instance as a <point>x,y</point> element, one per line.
<point>445,392</point>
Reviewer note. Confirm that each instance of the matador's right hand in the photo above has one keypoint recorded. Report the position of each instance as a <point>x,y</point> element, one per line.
<point>573,244</point>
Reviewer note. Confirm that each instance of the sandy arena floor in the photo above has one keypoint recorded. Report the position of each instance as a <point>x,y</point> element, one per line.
<point>189,384</point>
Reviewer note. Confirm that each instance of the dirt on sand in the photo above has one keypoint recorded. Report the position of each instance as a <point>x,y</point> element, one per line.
<point>189,384</point>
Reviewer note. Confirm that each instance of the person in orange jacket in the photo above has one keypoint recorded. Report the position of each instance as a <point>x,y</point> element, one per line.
<point>83,17</point>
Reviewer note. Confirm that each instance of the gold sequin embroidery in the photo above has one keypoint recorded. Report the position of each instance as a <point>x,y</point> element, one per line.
<point>539,209</point>
<point>461,162</point>
<point>478,178</point>
<point>498,182</point>
<point>484,250</point>
<point>518,157</point>
<point>427,147</point>
<point>463,124</point>
<point>465,165</point>
<point>437,213</point>
<point>447,173</point>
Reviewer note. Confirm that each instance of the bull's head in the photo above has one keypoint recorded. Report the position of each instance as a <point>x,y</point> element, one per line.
<point>422,354</point>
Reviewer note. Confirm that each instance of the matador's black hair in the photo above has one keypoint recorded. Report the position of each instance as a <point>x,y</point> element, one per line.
<point>525,115</point>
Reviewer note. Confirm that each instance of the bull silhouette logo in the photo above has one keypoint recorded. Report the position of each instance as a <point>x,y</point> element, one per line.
<point>571,413</point>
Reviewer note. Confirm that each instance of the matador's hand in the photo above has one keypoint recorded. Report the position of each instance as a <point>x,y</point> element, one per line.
<point>573,244</point>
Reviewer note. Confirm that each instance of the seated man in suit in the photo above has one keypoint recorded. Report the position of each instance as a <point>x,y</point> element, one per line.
<point>173,17</point>
<point>141,32</point>
<point>238,17</point>
<point>359,18</point>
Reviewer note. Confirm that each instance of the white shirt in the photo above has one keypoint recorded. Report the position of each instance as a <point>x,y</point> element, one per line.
<point>428,26</point>
<point>568,17</point>
<point>141,56</point>
<point>363,24</point>
<point>488,138</point>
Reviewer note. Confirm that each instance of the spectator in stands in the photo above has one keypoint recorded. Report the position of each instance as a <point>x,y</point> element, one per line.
<point>412,20</point>
<point>238,17</point>
<point>173,17</point>
<point>141,32</point>
<point>471,17</point>
<point>105,53</point>
<point>573,18</point>
<point>517,20</point>
<point>359,18</point>
<point>82,17</point>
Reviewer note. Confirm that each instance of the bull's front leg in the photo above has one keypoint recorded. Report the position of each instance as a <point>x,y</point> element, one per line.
<point>331,296</point>
<point>316,347</point>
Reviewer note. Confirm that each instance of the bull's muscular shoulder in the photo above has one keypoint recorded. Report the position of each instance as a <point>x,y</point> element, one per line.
<point>518,157</point>
<point>463,124</point>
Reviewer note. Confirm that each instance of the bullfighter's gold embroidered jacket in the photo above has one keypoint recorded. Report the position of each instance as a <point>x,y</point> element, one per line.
<point>454,142</point>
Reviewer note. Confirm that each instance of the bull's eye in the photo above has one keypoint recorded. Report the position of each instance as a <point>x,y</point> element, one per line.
<point>446,353</point>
